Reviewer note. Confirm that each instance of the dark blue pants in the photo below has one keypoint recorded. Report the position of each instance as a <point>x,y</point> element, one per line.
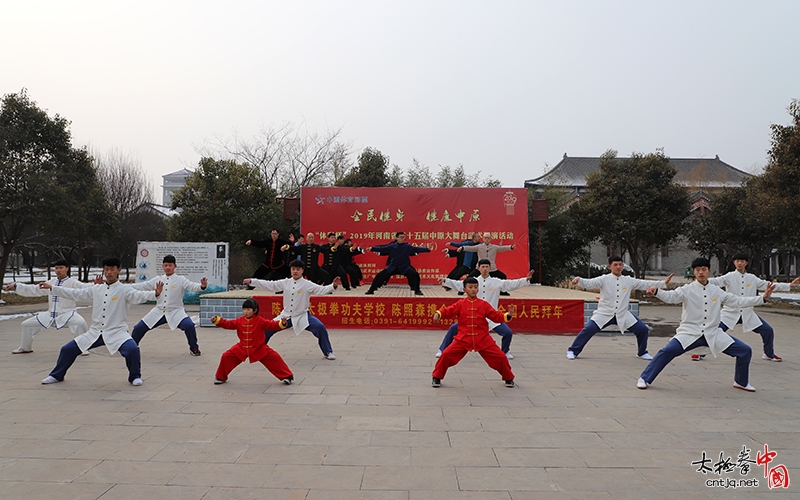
<point>316,328</point>
<point>639,329</point>
<point>70,351</point>
<point>766,332</point>
<point>502,329</point>
<point>738,349</point>
<point>186,324</point>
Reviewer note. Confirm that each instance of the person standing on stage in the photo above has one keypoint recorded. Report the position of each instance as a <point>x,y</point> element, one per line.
<point>274,267</point>
<point>702,303</point>
<point>110,302</point>
<point>169,308</point>
<point>61,312</point>
<point>297,292</point>
<point>399,262</point>
<point>465,261</point>
<point>615,295</point>
<point>489,289</point>
<point>350,267</point>
<point>308,253</point>
<point>473,334</point>
<point>332,253</point>
<point>487,250</point>
<point>744,284</point>
<point>250,330</point>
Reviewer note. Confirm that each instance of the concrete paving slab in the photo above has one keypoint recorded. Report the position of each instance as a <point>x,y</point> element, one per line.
<point>369,426</point>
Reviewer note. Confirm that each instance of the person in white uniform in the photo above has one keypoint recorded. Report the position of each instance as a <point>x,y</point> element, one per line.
<point>702,303</point>
<point>615,295</point>
<point>169,308</point>
<point>489,289</point>
<point>297,292</point>
<point>61,312</point>
<point>744,284</point>
<point>110,301</point>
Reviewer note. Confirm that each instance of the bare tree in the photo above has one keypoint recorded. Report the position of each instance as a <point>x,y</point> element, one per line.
<point>288,157</point>
<point>126,187</point>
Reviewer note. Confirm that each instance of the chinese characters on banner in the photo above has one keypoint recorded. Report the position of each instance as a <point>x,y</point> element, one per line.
<point>777,476</point>
<point>429,217</point>
<point>533,316</point>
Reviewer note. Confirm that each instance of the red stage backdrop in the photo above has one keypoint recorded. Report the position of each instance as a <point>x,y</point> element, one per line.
<point>403,313</point>
<point>371,216</point>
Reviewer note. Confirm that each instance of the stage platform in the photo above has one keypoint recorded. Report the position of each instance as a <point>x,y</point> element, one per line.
<point>540,309</point>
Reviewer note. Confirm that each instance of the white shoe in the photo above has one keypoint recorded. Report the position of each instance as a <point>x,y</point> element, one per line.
<point>50,380</point>
<point>20,350</point>
<point>645,356</point>
<point>85,353</point>
<point>570,355</point>
<point>641,384</point>
<point>748,387</point>
<point>330,356</point>
<point>438,354</point>
<point>137,382</point>
<point>776,358</point>
<point>509,355</point>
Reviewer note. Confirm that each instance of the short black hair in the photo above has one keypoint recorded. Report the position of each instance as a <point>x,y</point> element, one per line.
<point>61,262</point>
<point>275,229</point>
<point>340,237</point>
<point>701,262</point>
<point>250,304</point>
<point>741,256</point>
<point>331,234</point>
<point>297,263</point>
<point>484,261</point>
<point>398,233</point>
<point>170,259</point>
<point>112,262</point>
<point>470,280</point>
<point>348,240</point>
<point>615,258</point>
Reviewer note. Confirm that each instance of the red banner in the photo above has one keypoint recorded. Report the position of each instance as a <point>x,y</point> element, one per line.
<point>435,216</point>
<point>533,316</point>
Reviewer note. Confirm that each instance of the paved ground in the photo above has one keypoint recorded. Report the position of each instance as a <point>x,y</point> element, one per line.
<point>369,426</point>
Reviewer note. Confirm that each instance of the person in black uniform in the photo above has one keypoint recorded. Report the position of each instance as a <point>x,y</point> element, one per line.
<point>309,253</point>
<point>274,266</point>
<point>332,253</point>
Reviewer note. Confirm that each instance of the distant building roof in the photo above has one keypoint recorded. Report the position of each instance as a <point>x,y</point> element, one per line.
<point>695,173</point>
<point>178,173</point>
<point>155,208</point>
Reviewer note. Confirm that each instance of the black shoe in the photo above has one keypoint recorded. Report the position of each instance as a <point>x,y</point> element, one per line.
<point>437,382</point>
<point>505,294</point>
<point>218,381</point>
<point>447,289</point>
<point>280,292</point>
<point>347,289</point>
<point>370,292</point>
<point>461,293</point>
<point>288,380</point>
<point>417,292</point>
<point>509,383</point>
<point>195,352</point>
<point>251,287</point>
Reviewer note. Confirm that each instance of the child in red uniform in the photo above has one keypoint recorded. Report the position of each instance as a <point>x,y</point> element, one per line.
<point>473,334</point>
<point>250,329</point>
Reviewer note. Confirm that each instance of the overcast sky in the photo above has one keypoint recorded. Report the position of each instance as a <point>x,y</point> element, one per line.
<point>503,87</point>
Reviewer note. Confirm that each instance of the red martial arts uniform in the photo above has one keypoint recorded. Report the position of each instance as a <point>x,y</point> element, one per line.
<point>251,345</point>
<point>473,335</point>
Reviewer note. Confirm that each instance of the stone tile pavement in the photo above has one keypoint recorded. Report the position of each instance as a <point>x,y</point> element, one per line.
<point>369,426</point>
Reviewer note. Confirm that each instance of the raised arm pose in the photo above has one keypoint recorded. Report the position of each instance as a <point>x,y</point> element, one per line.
<point>615,295</point>
<point>744,284</point>
<point>699,326</point>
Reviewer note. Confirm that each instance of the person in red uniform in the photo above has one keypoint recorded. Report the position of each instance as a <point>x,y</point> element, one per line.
<point>473,334</point>
<point>250,329</point>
